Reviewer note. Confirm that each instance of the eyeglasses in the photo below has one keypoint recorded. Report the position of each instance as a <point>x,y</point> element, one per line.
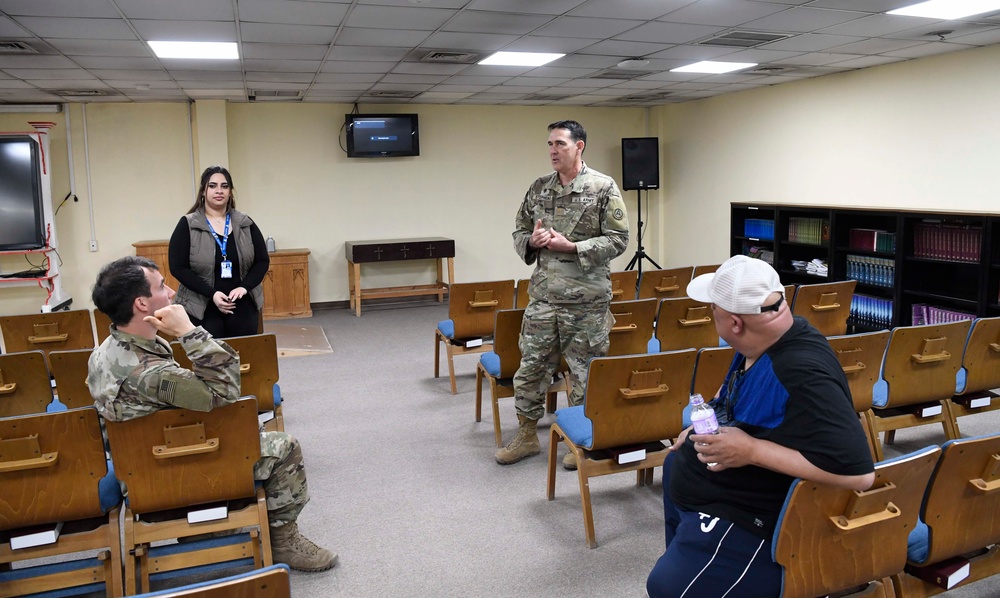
<point>774,306</point>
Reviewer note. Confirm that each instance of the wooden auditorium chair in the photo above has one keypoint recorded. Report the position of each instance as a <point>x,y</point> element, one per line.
<point>166,459</point>
<point>69,370</point>
<point>633,326</point>
<point>826,305</point>
<point>980,372</point>
<point>704,269</point>
<point>633,403</point>
<point>102,325</point>
<point>499,366</point>
<point>838,542</point>
<point>258,374</point>
<point>25,386</point>
<point>55,487</point>
<point>471,307</point>
<point>521,296</point>
<point>918,378</point>
<point>684,323</point>
<point>790,294</point>
<point>54,331</point>
<point>861,356</point>
<point>623,285</point>
<point>710,370</point>
<point>269,582</point>
<point>664,284</point>
<point>959,519</point>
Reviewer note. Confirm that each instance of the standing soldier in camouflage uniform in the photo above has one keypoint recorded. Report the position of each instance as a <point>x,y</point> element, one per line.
<point>133,374</point>
<point>571,224</point>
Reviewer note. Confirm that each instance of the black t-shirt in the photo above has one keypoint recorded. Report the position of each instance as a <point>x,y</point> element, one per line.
<point>794,395</point>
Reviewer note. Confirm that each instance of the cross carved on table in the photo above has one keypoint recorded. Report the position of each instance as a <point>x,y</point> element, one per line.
<point>404,250</point>
<point>378,253</point>
<point>430,250</point>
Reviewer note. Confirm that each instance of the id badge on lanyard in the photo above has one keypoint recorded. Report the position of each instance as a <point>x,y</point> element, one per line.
<point>226,267</point>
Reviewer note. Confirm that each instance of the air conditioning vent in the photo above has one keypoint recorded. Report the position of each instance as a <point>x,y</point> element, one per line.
<point>84,93</point>
<point>393,94</point>
<point>10,47</point>
<point>743,39</point>
<point>450,57</point>
<point>547,97</point>
<point>624,74</point>
<point>769,70</point>
<point>648,97</point>
<point>258,95</point>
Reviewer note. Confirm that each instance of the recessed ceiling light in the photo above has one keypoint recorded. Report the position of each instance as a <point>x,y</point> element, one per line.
<point>196,50</point>
<point>713,67</point>
<point>520,59</point>
<point>947,9</point>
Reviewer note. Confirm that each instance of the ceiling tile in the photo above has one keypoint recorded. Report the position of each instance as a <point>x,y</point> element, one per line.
<point>872,6</point>
<point>409,3</point>
<point>101,47</point>
<point>624,49</point>
<point>386,17</point>
<point>48,73</point>
<point>284,51</point>
<point>876,25</point>
<point>428,68</point>
<point>292,12</point>
<point>586,27</point>
<point>544,7</point>
<point>65,8</point>
<point>76,28</point>
<point>350,66</point>
<point>110,62</point>
<point>724,13</point>
<point>178,10</point>
<point>395,78</point>
<point>11,30</point>
<point>107,75</point>
<point>291,66</point>
<point>351,36</point>
<point>186,31</point>
<point>287,34</point>
<point>558,45</point>
<point>804,20</point>
<point>811,42</point>
<point>669,33</point>
<point>483,42</point>
<point>387,54</point>
<point>867,61</point>
<point>490,22</point>
<point>876,46</point>
<point>634,9</point>
<point>35,61</point>
<point>924,49</point>
<point>65,83</point>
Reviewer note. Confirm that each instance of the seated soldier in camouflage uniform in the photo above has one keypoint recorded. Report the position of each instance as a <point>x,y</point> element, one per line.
<point>133,374</point>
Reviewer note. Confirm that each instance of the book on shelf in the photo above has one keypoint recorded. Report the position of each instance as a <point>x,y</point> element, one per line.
<point>946,574</point>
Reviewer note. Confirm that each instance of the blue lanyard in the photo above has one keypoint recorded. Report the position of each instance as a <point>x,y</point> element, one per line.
<point>225,236</point>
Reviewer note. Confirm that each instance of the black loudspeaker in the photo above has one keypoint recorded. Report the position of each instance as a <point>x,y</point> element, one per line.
<point>640,163</point>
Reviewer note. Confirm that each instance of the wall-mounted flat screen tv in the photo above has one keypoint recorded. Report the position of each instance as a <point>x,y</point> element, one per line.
<point>21,221</point>
<point>382,135</point>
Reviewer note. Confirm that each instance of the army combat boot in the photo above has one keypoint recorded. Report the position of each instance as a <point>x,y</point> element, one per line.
<point>569,461</point>
<point>298,552</point>
<point>525,444</point>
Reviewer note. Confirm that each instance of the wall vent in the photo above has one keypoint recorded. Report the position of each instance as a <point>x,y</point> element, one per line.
<point>743,39</point>
<point>12,47</point>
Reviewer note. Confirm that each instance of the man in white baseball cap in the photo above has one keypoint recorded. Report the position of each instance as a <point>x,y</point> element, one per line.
<point>785,412</point>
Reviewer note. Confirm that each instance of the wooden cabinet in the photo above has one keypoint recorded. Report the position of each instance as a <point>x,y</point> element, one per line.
<point>910,265</point>
<point>286,286</point>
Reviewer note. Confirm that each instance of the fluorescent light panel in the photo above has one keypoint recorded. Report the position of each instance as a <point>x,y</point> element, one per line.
<point>947,9</point>
<point>196,50</point>
<point>713,67</point>
<point>520,59</point>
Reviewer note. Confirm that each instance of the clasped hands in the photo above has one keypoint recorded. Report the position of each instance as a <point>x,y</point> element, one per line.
<point>550,239</point>
<point>227,303</point>
<point>731,447</point>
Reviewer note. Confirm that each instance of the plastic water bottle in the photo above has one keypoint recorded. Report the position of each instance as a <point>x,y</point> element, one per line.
<point>270,244</point>
<point>702,416</point>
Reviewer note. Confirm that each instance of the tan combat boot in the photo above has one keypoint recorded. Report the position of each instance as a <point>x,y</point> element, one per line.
<point>525,444</point>
<point>298,552</point>
<point>569,461</point>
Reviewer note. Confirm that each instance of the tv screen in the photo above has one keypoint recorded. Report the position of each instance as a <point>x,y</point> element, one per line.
<point>21,222</point>
<point>382,135</point>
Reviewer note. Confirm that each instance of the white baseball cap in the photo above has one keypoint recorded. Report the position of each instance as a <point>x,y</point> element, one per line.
<point>741,285</point>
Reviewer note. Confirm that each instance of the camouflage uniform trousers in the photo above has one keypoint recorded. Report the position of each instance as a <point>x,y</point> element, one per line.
<point>549,332</point>
<point>280,468</point>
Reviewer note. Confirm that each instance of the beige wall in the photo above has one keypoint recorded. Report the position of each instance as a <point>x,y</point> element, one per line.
<point>922,134</point>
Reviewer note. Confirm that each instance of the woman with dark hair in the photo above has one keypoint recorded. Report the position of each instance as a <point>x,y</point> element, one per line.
<point>219,257</point>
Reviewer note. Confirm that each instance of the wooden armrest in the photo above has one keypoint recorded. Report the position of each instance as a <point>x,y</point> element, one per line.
<point>642,393</point>
<point>165,452</point>
<point>866,507</point>
<point>853,369</point>
<point>617,292</point>
<point>624,328</point>
<point>21,454</point>
<point>8,388</point>
<point>55,338</point>
<point>995,347</point>
<point>665,289</point>
<point>846,524</point>
<point>244,368</point>
<point>825,307</point>
<point>933,350</point>
<point>186,440</point>
<point>697,322</point>
<point>990,480</point>
<point>920,358</point>
<point>475,304</point>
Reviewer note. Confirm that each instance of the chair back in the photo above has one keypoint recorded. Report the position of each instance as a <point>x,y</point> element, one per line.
<point>665,284</point>
<point>633,326</point>
<point>825,305</point>
<point>54,331</point>
<point>962,504</point>
<point>981,358</point>
<point>860,355</point>
<point>269,582</point>
<point>521,293</point>
<point>638,398</point>
<point>25,387</point>
<point>685,323</point>
<point>710,370</point>
<point>506,334</point>
<point>102,324</point>
<point>472,305</point>
<point>706,269</point>
<point>623,285</point>
<point>832,539</point>
<point>258,366</point>
<point>790,294</point>
<point>70,368</point>
<point>921,362</point>
<point>50,466</point>
<point>207,456</point>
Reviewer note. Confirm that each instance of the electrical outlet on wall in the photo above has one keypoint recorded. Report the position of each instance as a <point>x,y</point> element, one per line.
<point>93,245</point>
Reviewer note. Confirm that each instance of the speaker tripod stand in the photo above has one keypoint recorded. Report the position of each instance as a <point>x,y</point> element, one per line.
<point>640,252</point>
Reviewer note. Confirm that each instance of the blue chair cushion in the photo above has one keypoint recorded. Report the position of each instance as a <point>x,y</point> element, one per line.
<point>960,380</point>
<point>918,544</point>
<point>55,406</point>
<point>880,393</point>
<point>109,489</point>
<point>491,362</point>
<point>277,395</point>
<point>577,427</point>
<point>447,328</point>
<point>653,346</point>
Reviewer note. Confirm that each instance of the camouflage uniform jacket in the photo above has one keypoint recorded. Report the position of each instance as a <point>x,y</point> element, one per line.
<point>130,376</point>
<point>590,212</point>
